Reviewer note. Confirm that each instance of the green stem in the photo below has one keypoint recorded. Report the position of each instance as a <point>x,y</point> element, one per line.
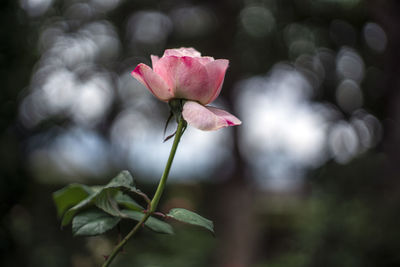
<point>157,195</point>
<point>164,177</point>
<point>121,244</point>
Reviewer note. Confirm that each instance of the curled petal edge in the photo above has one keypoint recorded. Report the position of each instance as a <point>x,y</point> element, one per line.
<point>207,118</point>
<point>183,51</point>
<point>154,60</point>
<point>145,75</point>
<point>216,72</point>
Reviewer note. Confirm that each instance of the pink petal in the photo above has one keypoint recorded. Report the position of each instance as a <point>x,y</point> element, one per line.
<point>207,118</point>
<point>188,52</point>
<point>182,52</point>
<point>165,67</point>
<point>206,60</point>
<point>154,60</point>
<point>216,73</point>
<point>153,82</point>
<point>187,76</point>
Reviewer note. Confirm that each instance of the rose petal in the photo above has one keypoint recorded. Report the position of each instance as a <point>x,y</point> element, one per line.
<point>229,118</point>
<point>205,60</point>
<point>216,73</point>
<point>207,118</point>
<point>154,60</point>
<point>187,77</point>
<point>153,82</point>
<point>165,67</point>
<point>182,52</point>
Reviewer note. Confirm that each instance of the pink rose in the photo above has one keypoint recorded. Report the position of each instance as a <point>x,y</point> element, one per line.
<point>183,73</point>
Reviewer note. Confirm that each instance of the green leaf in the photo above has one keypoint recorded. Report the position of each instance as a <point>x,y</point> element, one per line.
<point>93,222</point>
<point>104,197</point>
<point>127,202</point>
<point>190,217</point>
<point>123,180</point>
<point>105,200</point>
<point>152,223</point>
<point>159,226</point>
<point>69,196</point>
<point>72,211</point>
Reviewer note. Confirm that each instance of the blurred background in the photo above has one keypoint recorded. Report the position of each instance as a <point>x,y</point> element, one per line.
<point>311,177</point>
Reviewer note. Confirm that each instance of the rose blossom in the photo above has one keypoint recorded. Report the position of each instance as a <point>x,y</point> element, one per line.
<point>184,74</point>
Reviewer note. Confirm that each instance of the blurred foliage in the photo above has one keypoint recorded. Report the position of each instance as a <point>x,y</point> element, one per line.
<point>344,222</point>
<point>345,213</point>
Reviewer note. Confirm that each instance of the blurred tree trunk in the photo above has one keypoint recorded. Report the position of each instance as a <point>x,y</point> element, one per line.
<point>235,225</point>
<point>387,14</point>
